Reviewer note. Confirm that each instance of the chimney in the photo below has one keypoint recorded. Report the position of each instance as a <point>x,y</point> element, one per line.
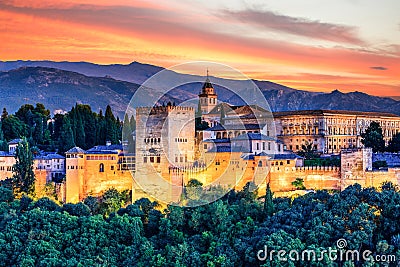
<point>108,143</point>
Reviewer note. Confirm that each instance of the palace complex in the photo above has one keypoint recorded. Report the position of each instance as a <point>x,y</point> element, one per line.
<point>243,144</point>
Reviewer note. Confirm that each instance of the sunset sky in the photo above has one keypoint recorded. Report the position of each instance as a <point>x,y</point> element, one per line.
<point>350,45</point>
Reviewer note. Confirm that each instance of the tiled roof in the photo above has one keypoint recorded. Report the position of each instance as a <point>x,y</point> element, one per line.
<point>248,109</point>
<point>76,150</point>
<point>220,149</point>
<point>286,156</point>
<point>217,109</point>
<point>102,152</point>
<point>15,141</point>
<point>49,156</point>
<point>223,140</point>
<point>5,154</point>
<point>254,136</point>
<point>249,126</point>
<point>105,148</point>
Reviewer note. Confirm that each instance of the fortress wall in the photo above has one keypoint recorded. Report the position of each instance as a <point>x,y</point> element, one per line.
<point>313,177</point>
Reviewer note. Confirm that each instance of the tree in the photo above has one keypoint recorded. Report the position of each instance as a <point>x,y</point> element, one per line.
<point>80,133</point>
<point>25,114</point>
<point>133,123</point>
<point>194,189</point>
<point>373,137</point>
<point>268,202</point>
<point>3,142</point>
<point>394,143</point>
<point>111,201</point>
<point>126,131</point>
<point>111,126</point>
<point>6,194</point>
<point>307,151</point>
<point>38,130</point>
<point>299,184</point>
<point>13,128</point>
<point>4,114</point>
<point>66,138</point>
<point>23,176</point>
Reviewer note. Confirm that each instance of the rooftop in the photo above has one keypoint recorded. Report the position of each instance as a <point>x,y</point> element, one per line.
<point>49,156</point>
<point>223,140</point>
<point>254,136</point>
<point>15,141</point>
<point>76,150</point>
<point>249,126</point>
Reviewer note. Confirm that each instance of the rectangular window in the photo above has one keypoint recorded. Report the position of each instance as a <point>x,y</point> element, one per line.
<point>263,145</point>
<point>258,146</point>
<point>112,168</point>
<point>152,159</point>
<point>158,159</point>
<point>145,159</point>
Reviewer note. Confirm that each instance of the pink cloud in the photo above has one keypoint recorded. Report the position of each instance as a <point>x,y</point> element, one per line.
<point>297,26</point>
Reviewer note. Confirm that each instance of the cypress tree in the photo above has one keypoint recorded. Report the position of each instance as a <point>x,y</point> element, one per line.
<point>126,130</point>
<point>110,126</point>
<point>23,179</point>
<point>66,139</point>
<point>133,123</point>
<point>268,203</point>
<point>80,133</point>
<point>3,142</point>
<point>38,130</point>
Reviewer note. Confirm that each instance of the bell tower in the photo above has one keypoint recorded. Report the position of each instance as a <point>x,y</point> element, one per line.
<point>207,97</point>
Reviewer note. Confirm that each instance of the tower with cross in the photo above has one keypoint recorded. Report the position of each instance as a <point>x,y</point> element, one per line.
<point>207,96</point>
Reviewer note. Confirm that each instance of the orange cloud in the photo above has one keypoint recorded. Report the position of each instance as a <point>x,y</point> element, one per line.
<point>126,31</point>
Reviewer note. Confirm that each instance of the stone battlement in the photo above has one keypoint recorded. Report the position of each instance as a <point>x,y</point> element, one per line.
<point>161,109</point>
<point>307,168</point>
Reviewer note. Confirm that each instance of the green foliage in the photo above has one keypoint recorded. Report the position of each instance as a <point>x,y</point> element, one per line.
<point>6,194</point>
<point>331,161</point>
<point>79,209</point>
<point>111,201</point>
<point>66,137</point>
<point>373,137</point>
<point>23,176</point>
<point>227,232</point>
<point>268,201</point>
<point>79,127</point>
<point>194,189</point>
<point>13,128</point>
<point>307,151</point>
<point>299,184</point>
<point>394,143</point>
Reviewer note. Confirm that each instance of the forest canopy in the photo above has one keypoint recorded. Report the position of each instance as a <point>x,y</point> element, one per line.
<point>227,232</point>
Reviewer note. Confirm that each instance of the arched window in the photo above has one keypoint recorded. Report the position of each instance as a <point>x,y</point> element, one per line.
<point>101,167</point>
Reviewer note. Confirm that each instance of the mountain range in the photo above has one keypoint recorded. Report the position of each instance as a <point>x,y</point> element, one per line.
<point>59,85</point>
